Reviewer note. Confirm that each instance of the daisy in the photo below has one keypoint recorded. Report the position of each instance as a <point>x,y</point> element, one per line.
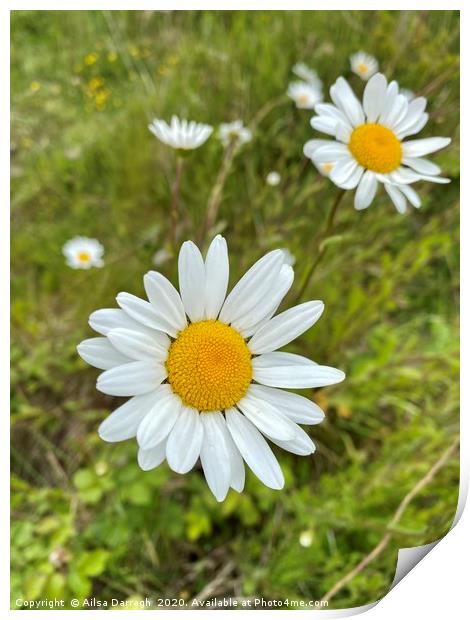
<point>273,178</point>
<point>181,135</point>
<point>203,371</point>
<point>408,94</point>
<point>83,253</point>
<point>364,65</point>
<point>304,95</point>
<point>308,75</point>
<point>234,133</point>
<point>370,146</point>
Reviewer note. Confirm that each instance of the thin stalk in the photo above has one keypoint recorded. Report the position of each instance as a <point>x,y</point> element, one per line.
<point>175,200</point>
<point>321,246</point>
<point>216,195</point>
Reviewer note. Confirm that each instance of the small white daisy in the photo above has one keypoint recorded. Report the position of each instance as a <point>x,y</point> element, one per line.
<point>83,253</point>
<point>273,178</point>
<point>204,371</point>
<point>306,538</point>
<point>364,65</point>
<point>304,95</point>
<point>370,147</point>
<point>180,134</point>
<point>234,133</point>
<point>308,75</point>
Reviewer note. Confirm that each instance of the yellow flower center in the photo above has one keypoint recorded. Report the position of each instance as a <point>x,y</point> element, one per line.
<point>84,257</point>
<point>209,366</point>
<point>362,68</point>
<point>327,167</point>
<point>375,147</point>
<point>302,99</point>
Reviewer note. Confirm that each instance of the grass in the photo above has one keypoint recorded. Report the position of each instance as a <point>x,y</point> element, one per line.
<point>85,520</point>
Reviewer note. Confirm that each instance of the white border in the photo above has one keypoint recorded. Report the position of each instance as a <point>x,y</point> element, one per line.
<point>437,587</point>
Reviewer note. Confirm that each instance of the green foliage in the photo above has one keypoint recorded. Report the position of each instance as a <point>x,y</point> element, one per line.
<point>86,520</point>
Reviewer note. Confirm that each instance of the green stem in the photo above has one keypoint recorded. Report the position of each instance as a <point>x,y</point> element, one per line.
<point>321,246</point>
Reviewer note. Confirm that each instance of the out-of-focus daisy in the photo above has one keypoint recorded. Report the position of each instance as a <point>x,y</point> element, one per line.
<point>204,371</point>
<point>308,75</point>
<point>364,65</point>
<point>273,178</point>
<point>408,94</point>
<point>304,95</point>
<point>370,147</point>
<point>306,538</point>
<point>181,135</point>
<point>83,253</point>
<point>234,133</point>
<point>161,256</point>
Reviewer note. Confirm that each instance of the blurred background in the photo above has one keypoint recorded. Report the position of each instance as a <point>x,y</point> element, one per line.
<point>85,519</point>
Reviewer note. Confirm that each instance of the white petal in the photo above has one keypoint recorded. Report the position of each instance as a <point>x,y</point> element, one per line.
<point>332,152</point>
<point>284,371</point>
<point>344,170</point>
<point>100,353</point>
<point>215,455</point>
<point>266,417</point>
<point>366,190</point>
<point>237,467</point>
<point>423,166</point>
<point>140,311</point>
<point>184,441</point>
<point>159,421</point>
<point>374,97</point>
<point>122,424</point>
<point>272,301</point>
<point>301,444</point>
<point>330,110</point>
<point>397,197</point>
<point>106,319</point>
<point>390,100</point>
<point>414,114</point>
<point>285,327</point>
<point>344,98</point>
<point>343,132</point>
<point>252,287</point>
<point>151,458</point>
<point>325,124</point>
<point>411,195</point>
<point>192,280</point>
<point>353,180</point>
<point>297,408</point>
<point>413,128</point>
<point>254,449</point>
<point>311,147</point>
<point>139,346</point>
<point>397,113</point>
<point>166,302</point>
<point>217,272</point>
<point>131,379</point>
<point>418,148</point>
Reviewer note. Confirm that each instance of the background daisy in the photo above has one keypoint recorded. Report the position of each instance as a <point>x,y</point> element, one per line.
<point>180,134</point>
<point>304,95</point>
<point>235,133</point>
<point>364,65</point>
<point>83,253</point>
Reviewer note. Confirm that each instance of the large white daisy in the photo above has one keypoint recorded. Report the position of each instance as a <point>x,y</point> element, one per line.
<point>180,134</point>
<point>370,146</point>
<point>83,253</point>
<point>203,369</point>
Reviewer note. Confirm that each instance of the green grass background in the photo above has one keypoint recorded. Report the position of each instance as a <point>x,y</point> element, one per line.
<point>84,86</point>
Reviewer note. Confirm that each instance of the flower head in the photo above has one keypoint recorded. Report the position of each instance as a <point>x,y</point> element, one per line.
<point>234,133</point>
<point>364,65</point>
<point>369,145</point>
<point>302,71</point>
<point>180,134</point>
<point>83,253</point>
<point>273,178</point>
<point>203,370</point>
<point>304,95</point>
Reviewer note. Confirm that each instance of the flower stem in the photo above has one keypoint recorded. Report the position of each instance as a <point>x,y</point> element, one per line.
<point>216,193</point>
<point>175,200</point>
<point>321,246</point>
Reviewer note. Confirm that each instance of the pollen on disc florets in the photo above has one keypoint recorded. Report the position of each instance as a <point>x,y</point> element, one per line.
<point>375,147</point>
<point>209,366</point>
